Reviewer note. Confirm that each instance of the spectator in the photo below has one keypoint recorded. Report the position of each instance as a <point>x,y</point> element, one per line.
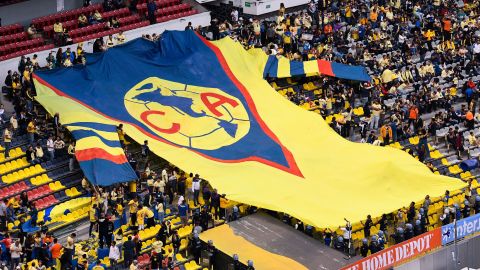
<point>16,251</point>
<point>114,255</point>
<point>50,148</point>
<point>151,8</point>
<point>183,213</point>
<point>82,20</point>
<point>109,41</point>
<point>39,153</point>
<point>71,155</point>
<point>32,32</point>
<point>120,38</point>
<point>31,157</point>
<point>56,250</point>
<point>7,139</point>
<point>59,147</point>
<point>196,189</point>
<point>97,16</point>
<point>128,251</point>
<point>57,32</point>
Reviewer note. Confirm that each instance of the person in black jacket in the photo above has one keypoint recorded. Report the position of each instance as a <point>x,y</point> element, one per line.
<point>176,242</point>
<point>128,252</point>
<point>105,230</point>
<point>215,203</point>
<point>196,247</point>
<point>212,252</point>
<point>163,233</point>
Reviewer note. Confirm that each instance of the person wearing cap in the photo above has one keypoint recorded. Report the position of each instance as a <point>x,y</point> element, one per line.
<point>237,265</point>
<point>250,265</point>
<point>364,248</point>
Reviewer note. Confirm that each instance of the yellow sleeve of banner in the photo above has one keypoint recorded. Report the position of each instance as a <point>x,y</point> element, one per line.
<point>310,67</point>
<point>283,68</point>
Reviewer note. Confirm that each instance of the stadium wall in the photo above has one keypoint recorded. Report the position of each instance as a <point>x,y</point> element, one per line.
<point>202,19</point>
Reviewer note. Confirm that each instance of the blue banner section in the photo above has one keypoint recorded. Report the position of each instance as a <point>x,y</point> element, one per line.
<point>465,227</point>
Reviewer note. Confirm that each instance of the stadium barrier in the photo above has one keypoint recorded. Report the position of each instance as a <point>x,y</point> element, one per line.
<point>400,252</point>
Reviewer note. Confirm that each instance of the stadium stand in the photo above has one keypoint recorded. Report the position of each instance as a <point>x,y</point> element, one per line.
<point>14,42</point>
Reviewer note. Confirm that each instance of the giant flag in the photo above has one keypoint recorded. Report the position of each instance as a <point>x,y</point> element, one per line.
<point>206,107</point>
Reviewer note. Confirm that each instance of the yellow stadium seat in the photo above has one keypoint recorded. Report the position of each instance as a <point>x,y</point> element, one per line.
<point>52,186</point>
<point>414,140</point>
<point>474,183</point>
<point>179,257</point>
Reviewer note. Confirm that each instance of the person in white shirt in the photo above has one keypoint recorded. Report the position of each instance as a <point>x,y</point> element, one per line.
<point>14,122</point>
<point>234,15</point>
<point>196,188</point>
<point>165,175</point>
<point>476,48</point>
<point>16,252</point>
<point>51,148</point>
<point>114,255</point>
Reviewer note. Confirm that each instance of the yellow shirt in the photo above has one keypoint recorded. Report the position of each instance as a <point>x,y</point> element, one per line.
<point>7,136</point>
<point>133,206</point>
<point>31,127</point>
<point>58,28</point>
<point>119,209</point>
<point>141,216</point>
<point>188,182</point>
<point>348,12</point>
<point>13,202</point>
<point>16,85</point>
<point>26,75</point>
<point>93,217</point>
<point>148,212</point>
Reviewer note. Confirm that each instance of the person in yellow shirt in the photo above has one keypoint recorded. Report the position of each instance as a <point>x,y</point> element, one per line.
<point>121,135</point>
<point>13,202</point>
<point>7,139</point>
<point>141,217</point>
<point>188,185</point>
<point>31,131</point>
<point>149,215</point>
<point>119,209</point>
<point>93,214</point>
<point>373,15</point>
<point>58,31</point>
<point>133,208</point>
<point>348,14</point>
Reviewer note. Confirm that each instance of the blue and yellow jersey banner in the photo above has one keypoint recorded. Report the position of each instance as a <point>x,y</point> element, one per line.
<point>206,107</point>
